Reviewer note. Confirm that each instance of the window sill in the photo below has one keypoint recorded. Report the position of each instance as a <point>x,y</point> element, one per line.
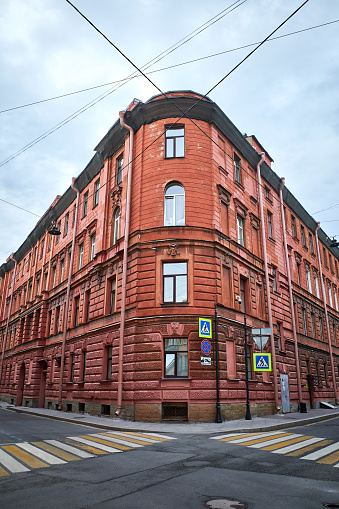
<point>105,380</point>
<point>239,184</point>
<point>271,239</point>
<point>174,157</point>
<point>167,304</point>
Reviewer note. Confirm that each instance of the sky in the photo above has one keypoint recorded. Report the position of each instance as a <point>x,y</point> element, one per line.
<point>286,93</point>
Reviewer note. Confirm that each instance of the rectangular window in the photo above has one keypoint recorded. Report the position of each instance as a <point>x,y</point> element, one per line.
<point>109,363</point>
<point>85,203</point>
<point>313,325</point>
<point>92,246</point>
<point>294,230</point>
<point>62,267</point>
<point>112,290</point>
<point>76,304</point>
<point>299,274</point>
<point>269,225</point>
<point>331,264</point>
<point>279,336</point>
<point>243,283</point>
<point>96,193</point>
<point>240,229</point>
<point>267,193</point>
<point>66,224</point>
<point>336,268</point>
<point>311,243</point>
<point>72,361</point>
<point>321,328</point>
<point>334,336</point>
<point>58,236</point>
<point>237,172</point>
<point>308,279</point>
<point>275,282</point>
<point>175,282</point>
<point>42,248</point>
<point>57,319</point>
<point>176,357</point>
<point>81,255</point>
<point>303,311</point>
<point>335,299</point>
<point>303,238</point>
<point>120,165</point>
<point>87,305</point>
<point>175,141</point>
<point>53,276</point>
<point>315,276</point>
<point>330,294</point>
<point>325,258</point>
<point>83,365</point>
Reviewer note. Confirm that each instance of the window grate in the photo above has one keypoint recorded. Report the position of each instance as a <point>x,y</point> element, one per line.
<point>174,412</point>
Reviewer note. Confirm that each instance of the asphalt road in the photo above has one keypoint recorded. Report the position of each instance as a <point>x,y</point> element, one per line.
<point>184,471</point>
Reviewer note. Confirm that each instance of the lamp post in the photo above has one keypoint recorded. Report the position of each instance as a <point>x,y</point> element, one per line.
<point>248,416</point>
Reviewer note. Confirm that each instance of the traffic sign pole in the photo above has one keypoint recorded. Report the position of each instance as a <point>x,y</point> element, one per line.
<point>248,416</point>
<point>218,418</point>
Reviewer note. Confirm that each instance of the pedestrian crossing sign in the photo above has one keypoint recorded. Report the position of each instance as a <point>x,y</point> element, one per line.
<point>205,328</point>
<point>262,362</point>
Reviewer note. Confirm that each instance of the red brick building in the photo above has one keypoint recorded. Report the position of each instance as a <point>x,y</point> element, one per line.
<point>175,216</point>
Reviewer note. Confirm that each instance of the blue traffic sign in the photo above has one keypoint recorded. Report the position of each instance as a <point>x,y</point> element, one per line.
<point>206,346</point>
<point>205,328</point>
<point>262,362</point>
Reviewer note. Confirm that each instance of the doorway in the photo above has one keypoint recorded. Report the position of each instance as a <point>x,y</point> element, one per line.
<point>20,386</point>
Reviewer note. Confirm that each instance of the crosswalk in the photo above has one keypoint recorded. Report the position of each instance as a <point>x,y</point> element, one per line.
<point>26,456</point>
<point>305,447</point>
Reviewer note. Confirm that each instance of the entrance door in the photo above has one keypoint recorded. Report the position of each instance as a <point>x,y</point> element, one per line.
<point>285,394</point>
<point>20,387</point>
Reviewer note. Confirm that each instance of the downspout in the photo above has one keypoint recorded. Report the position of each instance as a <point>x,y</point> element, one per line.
<point>66,307</point>
<point>267,284</point>
<point>294,329</point>
<point>326,315</point>
<point>9,316</point>
<point>124,266</point>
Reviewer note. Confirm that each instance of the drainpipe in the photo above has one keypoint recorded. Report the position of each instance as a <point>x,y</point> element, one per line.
<point>326,315</point>
<point>9,316</point>
<point>66,307</point>
<point>294,328</point>
<point>124,265</point>
<point>267,283</point>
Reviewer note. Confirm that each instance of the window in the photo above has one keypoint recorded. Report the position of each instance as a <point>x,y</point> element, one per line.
<point>42,248</point>
<point>53,276</point>
<point>248,360</point>
<point>275,282</point>
<point>175,282</point>
<point>267,193</point>
<point>311,243</point>
<point>240,229</point>
<point>49,244</point>
<point>66,224</point>
<point>109,363</point>
<point>303,238</point>
<point>76,311</point>
<point>116,221</point>
<point>336,268</point>
<point>321,328</point>
<point>112,290</point>
<point>335,299</point>
<point>81,255</point>
<point>237,174</point>
<point>334,336</point>
<point>72,361</point>
<point>303,311</point>
<point>331,264</point>
<point>243,295</point>
<point>87,305</point>
<point>175,141</point>
<point>96,193</point>
<point>330,294</point>
<point>313,325</point>
<point>85,203</point>
<point>269,225</point>
<point>83,365</point>
<point>308,279</point>
<point>294,230</point>
<point>174,205</point>
<point>315,276</point>
<point>325,258</point>
<point>57,319</point>
<point>92,246</point>
<point>176,357</point>
<point>58,236</point>
<point>62,267</point>
<point>299,275</point>
<point>120,165</point>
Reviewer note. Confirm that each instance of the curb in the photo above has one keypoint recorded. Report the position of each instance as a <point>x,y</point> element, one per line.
<point>108,425</point>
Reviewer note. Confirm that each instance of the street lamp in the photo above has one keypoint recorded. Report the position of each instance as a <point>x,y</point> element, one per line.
<point>248,416</point>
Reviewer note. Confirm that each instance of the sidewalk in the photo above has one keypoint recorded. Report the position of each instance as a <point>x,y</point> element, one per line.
<point>267,423</point>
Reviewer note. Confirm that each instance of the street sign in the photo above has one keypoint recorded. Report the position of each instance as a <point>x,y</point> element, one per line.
<point>260,341</point>
<point>261,332</point>
<point>205,328</point>
<point>206,361</point>
<point>262,362</point>
<point>206,347</point>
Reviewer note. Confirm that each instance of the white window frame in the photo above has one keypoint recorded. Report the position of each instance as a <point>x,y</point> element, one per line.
<point>172,205</point>
<point>240,230</point>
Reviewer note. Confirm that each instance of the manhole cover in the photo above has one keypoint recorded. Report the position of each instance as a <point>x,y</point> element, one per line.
<point>226,504</point>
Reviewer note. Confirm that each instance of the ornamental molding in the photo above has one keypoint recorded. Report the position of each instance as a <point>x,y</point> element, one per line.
<point>175,328</point>
<point>224,194</point>
<point>115,196</point>
<point>241,209</point>
<point>255,221</point>
<point>227,260</point>
<point>298,257</point>
<point>173,250</point>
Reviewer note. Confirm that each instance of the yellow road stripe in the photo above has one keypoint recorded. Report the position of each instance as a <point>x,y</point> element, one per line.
<point>106,442</point>
<point>301,452</point>
<point>329,460</point>
<point>3,472</point>
<point>127,439</point>
<point>264,439</point>
<point>283,444</point>
<point>57,452</point>
<point>25,457</point>
<point>88,448</point>
<point>236,437</point>
<point>146,436</point>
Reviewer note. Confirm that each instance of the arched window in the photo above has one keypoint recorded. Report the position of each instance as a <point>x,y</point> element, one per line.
<point>116,226</point>
<point>174,205</point>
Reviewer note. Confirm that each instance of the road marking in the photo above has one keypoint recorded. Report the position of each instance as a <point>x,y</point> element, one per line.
<point>250,441</point>
<point>262,443</point>
<point>25,457</point>
<point>56,451</point>
<point>249,436</point>
<point>41,454</point>
<point>155,436</point>
<point>70,448</point>
<point>323,452</point>
<point>11,464</point>
<point>3,472</point>
<point>284,443</point>
<point>88,441</point>
<point>129,445</point>
<point>295,446</point>
<point>132,440</point>
<point>99,439</point>
<point>329,460</point>
<point>90,448</point>
<point>302,451</point>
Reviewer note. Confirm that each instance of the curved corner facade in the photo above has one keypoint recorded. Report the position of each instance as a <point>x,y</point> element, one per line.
<point>125,337</point>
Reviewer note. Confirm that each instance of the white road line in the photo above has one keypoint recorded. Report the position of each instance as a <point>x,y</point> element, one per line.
<point>298,445</point>
<point>322,452</point>
<point>117,440</point>
<point>220,437</point>
<point>70,448</point>
<point>10,463</point>
<point>95,444</point>
<point>255,437</point>
<point>41,454</point>
<point>134,437</point>
<point>274,441</point>
<point>160,436</point>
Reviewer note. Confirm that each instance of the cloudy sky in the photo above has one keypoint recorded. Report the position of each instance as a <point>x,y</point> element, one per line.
<point>286,93</point>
